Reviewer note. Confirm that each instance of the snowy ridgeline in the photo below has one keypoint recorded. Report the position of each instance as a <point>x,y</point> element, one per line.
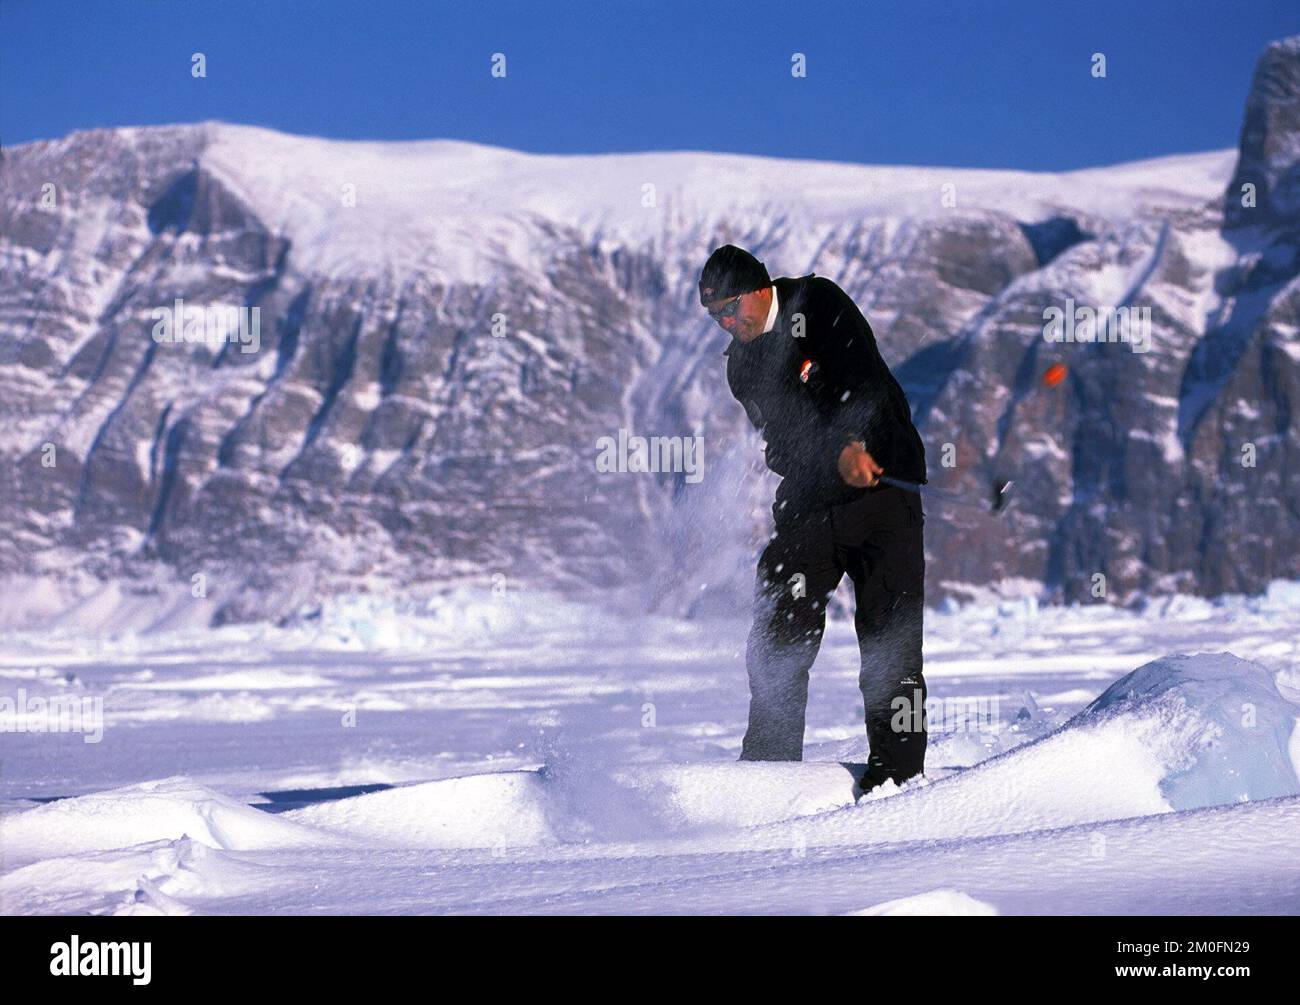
<point>361,448</point>
<point>478,773</point>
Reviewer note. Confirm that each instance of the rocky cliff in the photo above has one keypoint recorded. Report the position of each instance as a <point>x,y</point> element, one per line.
<point>445,332</point>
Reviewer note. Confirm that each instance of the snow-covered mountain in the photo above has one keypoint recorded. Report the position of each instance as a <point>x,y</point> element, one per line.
<point>383,437</point>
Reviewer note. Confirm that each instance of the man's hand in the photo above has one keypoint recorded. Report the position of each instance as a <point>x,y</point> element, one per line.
<point>859,468</point>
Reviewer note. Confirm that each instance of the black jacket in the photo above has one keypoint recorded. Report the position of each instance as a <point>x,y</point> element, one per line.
<point>812,393</point>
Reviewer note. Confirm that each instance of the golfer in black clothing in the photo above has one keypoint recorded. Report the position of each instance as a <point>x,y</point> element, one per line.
<point>804,363</point>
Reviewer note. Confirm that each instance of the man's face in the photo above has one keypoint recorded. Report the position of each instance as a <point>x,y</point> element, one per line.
<point>742,317</point>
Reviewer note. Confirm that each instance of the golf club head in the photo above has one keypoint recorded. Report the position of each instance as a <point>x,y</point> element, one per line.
<point>1001,494</point>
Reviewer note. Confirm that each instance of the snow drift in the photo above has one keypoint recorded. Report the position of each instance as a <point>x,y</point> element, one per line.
<point>168,809</point>
<point>1179,733</point>
<point>1217,727</point>
<point>1176,734</point>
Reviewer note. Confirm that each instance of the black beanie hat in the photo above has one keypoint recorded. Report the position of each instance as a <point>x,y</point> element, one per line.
<point>729,271</point>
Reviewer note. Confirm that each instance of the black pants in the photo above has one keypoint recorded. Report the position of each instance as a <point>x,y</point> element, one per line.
<point>877,540</point>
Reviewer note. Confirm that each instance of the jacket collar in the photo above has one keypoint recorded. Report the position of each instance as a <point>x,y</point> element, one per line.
<point>783,299</point>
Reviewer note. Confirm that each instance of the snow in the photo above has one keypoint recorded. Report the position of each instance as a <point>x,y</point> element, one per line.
<point>1224,729</point>
<point>528,755</point>
<point>121,818</point>
<point>952,903</point>
<point>460,210</point>
<point>502,809</point>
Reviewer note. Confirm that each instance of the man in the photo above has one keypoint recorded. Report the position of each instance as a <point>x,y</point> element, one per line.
<point>804,363</point>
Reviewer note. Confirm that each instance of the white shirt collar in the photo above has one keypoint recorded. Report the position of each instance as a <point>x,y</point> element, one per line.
<point>772,312</point>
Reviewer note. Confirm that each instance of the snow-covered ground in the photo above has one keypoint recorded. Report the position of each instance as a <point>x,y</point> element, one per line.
<point>518,754</point>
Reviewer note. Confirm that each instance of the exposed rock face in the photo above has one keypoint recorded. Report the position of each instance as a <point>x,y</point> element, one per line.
<point>383,437</point>
<point>1270,140</point>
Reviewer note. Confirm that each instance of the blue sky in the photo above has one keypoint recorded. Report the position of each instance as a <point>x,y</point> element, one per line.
<point>977,84</point>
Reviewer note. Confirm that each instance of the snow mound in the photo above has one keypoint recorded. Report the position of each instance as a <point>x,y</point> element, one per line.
<point>521,808</point>
<point>931,903</point>
<point>636,802</point>
<point>1178,733</point>
<point>1224,731</point>
<point>153,878</point>
<point>502,809</point>
<point>163,810</point>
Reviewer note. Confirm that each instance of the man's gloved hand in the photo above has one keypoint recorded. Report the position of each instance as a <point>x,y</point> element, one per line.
<point>859,468</point>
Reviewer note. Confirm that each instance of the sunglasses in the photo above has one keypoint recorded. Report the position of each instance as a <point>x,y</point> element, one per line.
<point>729,310</point>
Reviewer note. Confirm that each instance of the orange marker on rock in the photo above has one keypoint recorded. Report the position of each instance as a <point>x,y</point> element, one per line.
<point>1055,374</point>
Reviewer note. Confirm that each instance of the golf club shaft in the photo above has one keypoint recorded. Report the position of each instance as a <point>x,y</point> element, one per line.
<point>925,492</point>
